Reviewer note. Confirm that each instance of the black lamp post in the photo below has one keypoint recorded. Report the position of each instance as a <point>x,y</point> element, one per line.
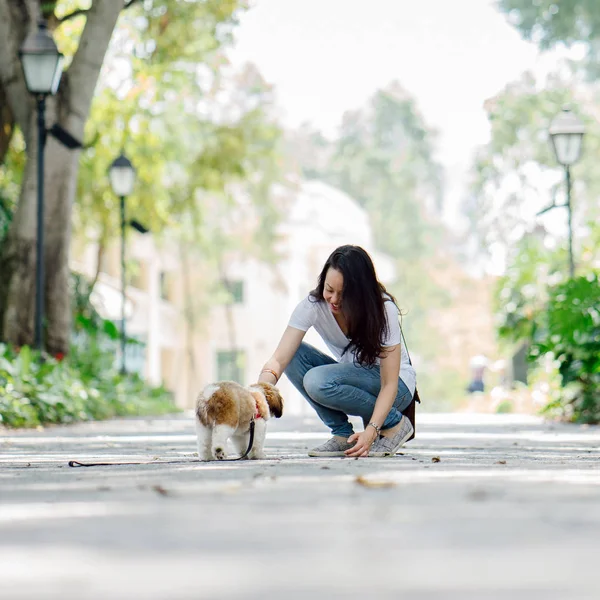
<point>42,67</point>
<point>566,132</point>
<point>122,179</point>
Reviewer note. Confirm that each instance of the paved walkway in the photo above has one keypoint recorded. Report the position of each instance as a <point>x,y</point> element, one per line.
<point>477,507</point>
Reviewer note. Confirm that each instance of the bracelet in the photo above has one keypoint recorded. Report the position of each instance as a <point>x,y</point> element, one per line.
<point>272,373</point>
<point>374,426</point>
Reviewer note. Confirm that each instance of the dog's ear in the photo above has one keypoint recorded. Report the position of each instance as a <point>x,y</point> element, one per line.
<point>274,399</point>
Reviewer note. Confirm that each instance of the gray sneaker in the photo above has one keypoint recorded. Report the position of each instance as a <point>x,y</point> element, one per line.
<point>388,446</point>
<point>336,446</point>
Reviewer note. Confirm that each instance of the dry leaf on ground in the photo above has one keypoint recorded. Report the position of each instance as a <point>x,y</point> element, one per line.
<point>374,483</point>
<point>160,490</point>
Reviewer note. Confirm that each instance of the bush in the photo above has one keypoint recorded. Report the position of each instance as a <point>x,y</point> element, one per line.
<point>35,392</point>
<point>505,407</point>
<point>568,330</point>
<point>85,385</point>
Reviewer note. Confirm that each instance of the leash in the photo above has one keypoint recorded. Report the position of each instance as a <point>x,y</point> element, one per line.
<point>76,463</point>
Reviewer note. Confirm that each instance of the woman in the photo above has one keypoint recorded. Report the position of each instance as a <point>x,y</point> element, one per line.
<point>371,377</point>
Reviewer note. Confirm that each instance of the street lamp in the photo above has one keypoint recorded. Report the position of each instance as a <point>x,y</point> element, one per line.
<point>566,132</point>
<point>122,179</point>
<point>42,67</point>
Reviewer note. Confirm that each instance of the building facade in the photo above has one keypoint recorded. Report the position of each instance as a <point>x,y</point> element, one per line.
<point>237,337</point>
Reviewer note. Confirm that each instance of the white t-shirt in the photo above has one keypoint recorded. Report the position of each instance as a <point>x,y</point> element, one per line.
<point>310,313</point>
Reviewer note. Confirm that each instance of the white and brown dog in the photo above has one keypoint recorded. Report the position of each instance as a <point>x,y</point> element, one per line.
<point>225,410</point>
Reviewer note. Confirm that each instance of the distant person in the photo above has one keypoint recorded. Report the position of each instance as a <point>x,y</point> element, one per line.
<point>478,365</point>
<point>370,377</point>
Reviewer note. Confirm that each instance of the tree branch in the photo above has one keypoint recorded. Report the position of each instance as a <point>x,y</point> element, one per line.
<point>84,11</point>
<point>72,15</point>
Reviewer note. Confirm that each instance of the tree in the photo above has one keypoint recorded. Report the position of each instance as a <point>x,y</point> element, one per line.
<point>516,174</point>
<point>550,23</point>
<point>383,158</point>
<point>170,31</point>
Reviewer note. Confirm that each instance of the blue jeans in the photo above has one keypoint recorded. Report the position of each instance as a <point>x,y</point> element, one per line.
<point>336,390</point>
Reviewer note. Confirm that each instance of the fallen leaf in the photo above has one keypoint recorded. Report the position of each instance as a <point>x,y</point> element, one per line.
<point>370,483</point>
<point>159,489</point>
<point>501,462</point>
<point>326,467</point>
<point>436,459</point>
<point>233,488</point>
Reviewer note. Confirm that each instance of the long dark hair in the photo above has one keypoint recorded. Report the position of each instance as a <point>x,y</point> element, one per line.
<point>362,303</point>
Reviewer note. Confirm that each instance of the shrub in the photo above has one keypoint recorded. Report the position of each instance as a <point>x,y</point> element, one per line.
<point>568,330</point>
<point>85,385</point>
<point>35,392</point>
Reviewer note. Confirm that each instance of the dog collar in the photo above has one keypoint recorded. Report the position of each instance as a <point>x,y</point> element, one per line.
<point>257,415</point>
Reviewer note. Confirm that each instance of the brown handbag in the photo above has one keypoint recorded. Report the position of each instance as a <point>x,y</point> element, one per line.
<point>409,411</point>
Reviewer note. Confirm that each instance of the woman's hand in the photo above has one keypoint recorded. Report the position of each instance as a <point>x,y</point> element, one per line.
<point>363,442</point>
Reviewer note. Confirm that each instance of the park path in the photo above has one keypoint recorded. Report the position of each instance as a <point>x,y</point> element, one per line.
<point>477,507</point>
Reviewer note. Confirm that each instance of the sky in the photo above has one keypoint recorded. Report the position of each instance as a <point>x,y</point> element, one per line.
<point>328,56</point>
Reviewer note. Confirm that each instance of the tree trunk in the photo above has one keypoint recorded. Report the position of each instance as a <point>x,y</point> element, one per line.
<point>70,108</point>
<point>7,124</point>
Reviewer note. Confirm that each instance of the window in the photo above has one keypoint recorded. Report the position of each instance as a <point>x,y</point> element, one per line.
<point>236,291</point>
<point>231,365</point>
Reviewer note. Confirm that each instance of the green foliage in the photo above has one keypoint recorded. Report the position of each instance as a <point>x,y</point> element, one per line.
<point>82,387</point>
<point>506,406</point>
<point>550,23</point>
<point>383,158</point>
<point>5,216</point>
<point>560,322</point>
<point>11,172</point>
<point>35,392</point>
<point>516,174</point>
<point>568,330</point>
<point>522,291</point>
<point>199,134</point>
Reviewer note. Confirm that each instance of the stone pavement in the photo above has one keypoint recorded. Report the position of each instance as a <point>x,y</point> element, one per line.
<point>477,507</point>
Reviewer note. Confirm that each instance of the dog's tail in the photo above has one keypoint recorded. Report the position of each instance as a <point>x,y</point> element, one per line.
<point>215,406</point>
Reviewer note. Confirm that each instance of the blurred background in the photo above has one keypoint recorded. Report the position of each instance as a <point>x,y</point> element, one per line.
<point>265,134</point>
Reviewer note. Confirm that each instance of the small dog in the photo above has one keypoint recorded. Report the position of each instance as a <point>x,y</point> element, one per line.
<point>224,410</point>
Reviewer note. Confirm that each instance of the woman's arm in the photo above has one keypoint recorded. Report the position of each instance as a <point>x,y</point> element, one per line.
<point>389,370</point>
<point>275,366</point>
